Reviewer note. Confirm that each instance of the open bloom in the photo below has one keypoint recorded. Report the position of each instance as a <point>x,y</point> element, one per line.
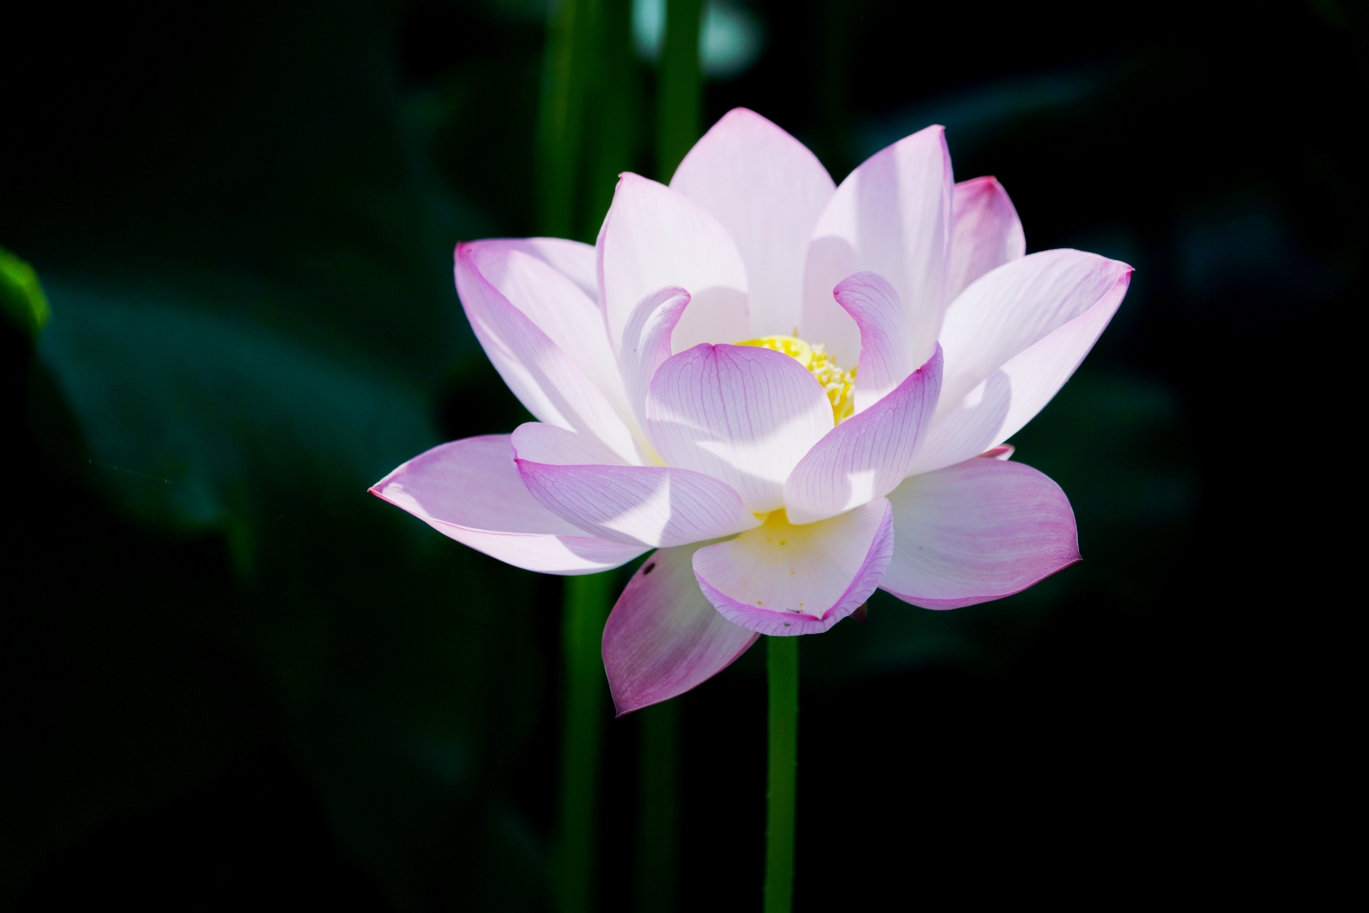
<point>794,392</point>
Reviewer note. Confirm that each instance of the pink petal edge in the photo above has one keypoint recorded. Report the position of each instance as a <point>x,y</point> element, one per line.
<point>727,559</point>
<point>664,637</point>
<point>977,531</point>
<point>469,490</point>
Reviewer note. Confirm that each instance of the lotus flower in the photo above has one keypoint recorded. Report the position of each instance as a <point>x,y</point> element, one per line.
<point>795,392</point>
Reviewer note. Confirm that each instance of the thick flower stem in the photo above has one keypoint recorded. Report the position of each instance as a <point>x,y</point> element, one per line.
<point>587,605</point>
<point>782,662</point>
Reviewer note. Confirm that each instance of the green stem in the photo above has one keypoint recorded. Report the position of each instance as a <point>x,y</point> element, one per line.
<point>588,600</point>
<point>680,89</point>
<point>612,131</point>
<point>782,666</point>
<point>566,72</point>
<point>658,804</point>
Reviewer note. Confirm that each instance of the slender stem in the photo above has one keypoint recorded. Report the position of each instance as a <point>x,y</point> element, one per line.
<point>587,605</point>
<point>658,804</point>
<point>782,664</point>
<point>566,75</point>
<point>680,92</point>
<point>612,114</point>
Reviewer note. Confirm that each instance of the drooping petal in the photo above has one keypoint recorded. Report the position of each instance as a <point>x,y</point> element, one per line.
<point>544,378</point>
<point>741,414</point>
<point>998,406</point>
<point>575,260</point>
<point>891,216</point>
<point>767,190</point>
<point>646,342</point>
<point>470,490</point>
<point>886,346</point>
<point>558,306</point>
<point>986,232</point>
<point>571,476</point>
<point>866,456</point>
<point>979,530</point>
<point>654,237</point>
<point>782,579</point>
<point>664,637</point>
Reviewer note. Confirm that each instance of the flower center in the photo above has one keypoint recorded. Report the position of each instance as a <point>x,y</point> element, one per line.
<point>839,385</point>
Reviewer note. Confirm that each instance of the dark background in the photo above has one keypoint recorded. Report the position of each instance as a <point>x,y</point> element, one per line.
<point>230,677</point>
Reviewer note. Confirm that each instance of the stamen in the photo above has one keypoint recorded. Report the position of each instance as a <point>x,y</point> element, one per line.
<point>839,385</point>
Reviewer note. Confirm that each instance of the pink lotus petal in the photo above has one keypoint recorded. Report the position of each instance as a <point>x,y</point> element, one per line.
<point>470,490</point>
<point>1001,404</point>
<point>663,637</point>
<point>1002,452</point>
<point>741,414</point>
<point>891,216</point>
<point>544,378</point>
<point>976,531</point>
<point>783,580</point>
<point>767,190</point>
<point>575,260</point>
<point>1017,305</point>
<point>646,342</point>
<point>569,317</point>
<point>986,232</point>
<point>654,237</point>
<point>635,505</point>
<point>866,456</point>
<point>886,335</point>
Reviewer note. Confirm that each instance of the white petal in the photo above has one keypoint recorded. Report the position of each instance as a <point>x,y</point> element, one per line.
<point>891,216</point>
<point>558,307</point>
<point>987,232</point>
<point>784,580</point>
<point>866,456</point>
<point>886,355</point>
<point>741,414</point>
<point>544,378</point>
<point>980,530</point>
<point>470,490</point>
<point>654,237</point>
<point>664,637</point>
<point>646,342</point>
<point>1001,404</point>
<point>575,260</point>
<point>767,190</point>
<point>637,505</point>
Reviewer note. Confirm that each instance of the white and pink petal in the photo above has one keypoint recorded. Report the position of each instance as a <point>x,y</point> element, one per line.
<point>664,637</point>
<point>886,344</point>
<point>741,414</point>
<point>891,216</point>
<point>768,191</point>
<point>976,531</point>
<point>575,478</point>
<point>557,305</point>
<point>655,237</point>
<point>553,387</point>
<point>646,342</point>
<point>470,491</point>
<point>1017,305</point>
<point>868,455</point>
<point>986,232</point>
<point>1003,403</point>
<point>782,580</point>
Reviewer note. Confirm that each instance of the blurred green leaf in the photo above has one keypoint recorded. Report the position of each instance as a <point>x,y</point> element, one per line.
<point>21,295</point>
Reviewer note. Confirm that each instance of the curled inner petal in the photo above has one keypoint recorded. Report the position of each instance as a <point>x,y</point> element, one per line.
<point>839,385</point>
